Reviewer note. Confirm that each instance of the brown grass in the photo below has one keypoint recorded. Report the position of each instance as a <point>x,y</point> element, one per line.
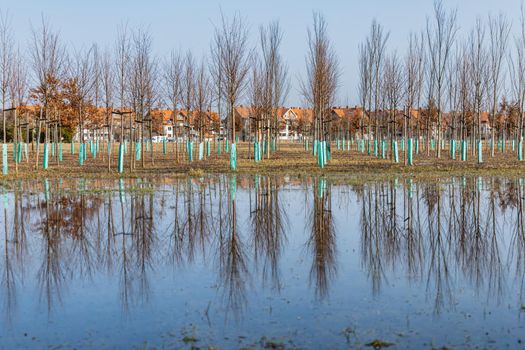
<point>290,159</point>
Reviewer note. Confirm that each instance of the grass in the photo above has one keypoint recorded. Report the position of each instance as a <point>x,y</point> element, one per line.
<point>291,159</point>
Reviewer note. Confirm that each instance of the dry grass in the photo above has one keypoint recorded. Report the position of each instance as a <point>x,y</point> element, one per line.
<point>291,159</point>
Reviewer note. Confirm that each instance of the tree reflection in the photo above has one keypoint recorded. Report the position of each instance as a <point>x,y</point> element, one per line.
<point>440,235</point>
<point>322,240</point>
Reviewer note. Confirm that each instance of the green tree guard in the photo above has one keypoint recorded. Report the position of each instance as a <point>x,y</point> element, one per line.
<point>343,143</point>
<point>81,154</point>
<point>208,149</point>
<point>190,151</point>
<point>120,165</point>
<point>453,149</point>
<point>383,149</point>
<point>396,153</point>
<point>376,151</point>
<point>227,146</point>
<point>164,146</point>
<point>137,151</point>
<point>233,157</point>
<point>417,146</point>
<point>53,149</point>
<point>410,160</point>
<point>72,147</point>
<point>60,152</point>
<point>25,151</point>
<point>19,152</point>
<point>464,147</point>
<point>520,150</point>
<point>219,147</point>
<point>480,152</point>
<point>45,160</point>
<point>4,159</point>
<point>201,150</point>
<point>513,146</point>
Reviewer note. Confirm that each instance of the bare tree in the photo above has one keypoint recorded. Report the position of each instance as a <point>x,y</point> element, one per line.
<point>107,78</point>
<point>394,93</point>
<point>173,86</point>
<point>322,78</point>
<point>122,62</point>
<point>201,100</point>
<point>441,32</point>
<point>6,61</point>
<point>18,93</point>
<point>48,58</point>
<point>517,75</point>
<point>232,54</point>
<point>499,29</point>
<point>81,74</point>
<point>188,92</point>
<point>376,44</point>
<point>364,85</point>
<point>142,84</point>
<point>276,78</point>
<point>478,73</point>
<point>413,70</point>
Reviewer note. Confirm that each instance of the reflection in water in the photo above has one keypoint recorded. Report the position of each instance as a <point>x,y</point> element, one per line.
<point>269,222</point>
<point>433,234</point>
<point>322,240</point>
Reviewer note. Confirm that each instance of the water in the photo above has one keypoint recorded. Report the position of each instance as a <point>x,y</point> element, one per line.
<point>262,262</point>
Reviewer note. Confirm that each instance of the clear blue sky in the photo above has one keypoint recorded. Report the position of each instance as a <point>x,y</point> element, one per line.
<point>188,24</point>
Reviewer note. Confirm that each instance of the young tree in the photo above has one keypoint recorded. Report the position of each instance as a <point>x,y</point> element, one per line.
<point>48,61</point>
<point>172,88</point>
<point>232,54</point>
<point>413,71</point>
<point>322,78</point>
<point>143,76</point>
<point>201,100</point>
<point>188,92</point>
<point>499,29</point>
<point>6,61</point>
<point>441,32</point>
<point>393,82</point>
<point>477,56</point>
<point>107,79</point>
<point>275,78</point>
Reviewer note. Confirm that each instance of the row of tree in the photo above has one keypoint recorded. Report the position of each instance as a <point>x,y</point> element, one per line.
<point>445,83</point>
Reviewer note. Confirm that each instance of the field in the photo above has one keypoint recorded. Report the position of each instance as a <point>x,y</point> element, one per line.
<point>291,159</point>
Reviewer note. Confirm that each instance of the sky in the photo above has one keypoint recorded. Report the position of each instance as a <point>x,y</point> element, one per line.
<point>189,24</point>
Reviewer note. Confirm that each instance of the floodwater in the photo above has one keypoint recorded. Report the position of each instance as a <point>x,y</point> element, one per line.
<point>262,262</point>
